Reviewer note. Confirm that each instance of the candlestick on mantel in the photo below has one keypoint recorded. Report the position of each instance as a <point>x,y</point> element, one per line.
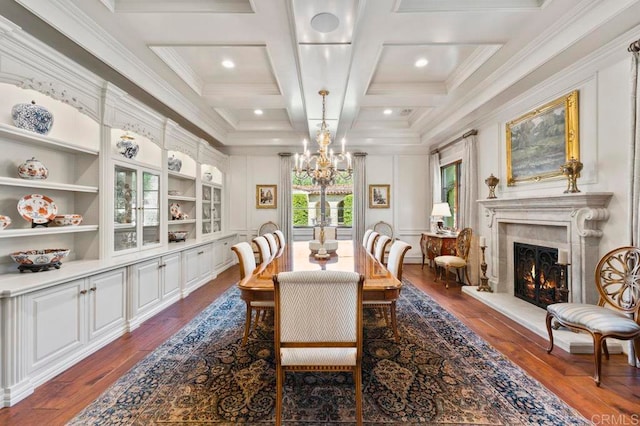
<point>483,241</point>
<point>563,257</point>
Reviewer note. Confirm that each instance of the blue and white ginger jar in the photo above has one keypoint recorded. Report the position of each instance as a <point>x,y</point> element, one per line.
<point>127,146</point>
<point>32,117</point>
<point>174,163</point>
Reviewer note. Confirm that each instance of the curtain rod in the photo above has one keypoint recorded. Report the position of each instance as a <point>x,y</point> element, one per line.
<point>634,47</point>
<point>471,132</point>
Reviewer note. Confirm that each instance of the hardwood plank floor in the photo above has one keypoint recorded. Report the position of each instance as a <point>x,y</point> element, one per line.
<point>617,401</point>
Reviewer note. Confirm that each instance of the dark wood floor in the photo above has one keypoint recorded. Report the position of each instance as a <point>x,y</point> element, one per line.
<point>617,401</point>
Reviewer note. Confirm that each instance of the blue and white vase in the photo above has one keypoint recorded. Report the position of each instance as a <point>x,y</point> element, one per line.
<point>174,163</point>
<point>32,117</point>
<point>127,146</point>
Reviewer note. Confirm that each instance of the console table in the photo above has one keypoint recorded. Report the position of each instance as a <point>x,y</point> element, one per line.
<point>433,245</point>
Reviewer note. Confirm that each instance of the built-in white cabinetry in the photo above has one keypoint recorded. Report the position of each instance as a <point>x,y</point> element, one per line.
<point>66,322</point>
<point>198,263</point>
<point>222,254</point>
<point>154,285</point>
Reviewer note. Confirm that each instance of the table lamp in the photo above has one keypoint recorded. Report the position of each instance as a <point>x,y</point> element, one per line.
<point>439,211</point>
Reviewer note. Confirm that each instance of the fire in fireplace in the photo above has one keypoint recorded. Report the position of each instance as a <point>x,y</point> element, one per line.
<point>537,275</point>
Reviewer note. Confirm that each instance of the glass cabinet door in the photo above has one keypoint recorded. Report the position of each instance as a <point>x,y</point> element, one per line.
<point>125,209</point>
<point>216,209</point>
<point>150,208</point>
<point>206,210</point>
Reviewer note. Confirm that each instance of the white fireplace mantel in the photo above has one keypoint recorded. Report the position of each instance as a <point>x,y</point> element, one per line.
<point>566,221</point>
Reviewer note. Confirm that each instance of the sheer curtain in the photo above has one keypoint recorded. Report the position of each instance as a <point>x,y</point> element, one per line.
<point>359,196</point>
<point>634,155</point>
<point>284,195</point>
<point>436,185</point>
<point>468,197</point>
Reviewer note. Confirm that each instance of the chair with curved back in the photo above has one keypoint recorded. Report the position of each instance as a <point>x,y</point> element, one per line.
<point>617,314</point>
<point>371,243</point>
<point>247,262</point>
<point>457,262</point>
<point>273,244</point>
<point>267,228</point>
<point>381,247</point>
<point>394,266</point>
<point>384,228</point>
<point>282,242</point>
<point>264,249</point>
<point>366,236</point>
<point>318,327</point>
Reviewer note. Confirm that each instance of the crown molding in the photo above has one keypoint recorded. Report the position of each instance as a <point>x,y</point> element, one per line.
<point>479,56</point>
<point>183,6</point>
<point>174,61</point>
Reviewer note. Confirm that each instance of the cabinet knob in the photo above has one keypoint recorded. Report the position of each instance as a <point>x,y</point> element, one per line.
<point>83,291</point>
<point>201,252</point>
<point>162,265</point>
<point>93,289</point>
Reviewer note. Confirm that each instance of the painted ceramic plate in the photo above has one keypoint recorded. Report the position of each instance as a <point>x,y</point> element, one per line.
<point>37,208</point>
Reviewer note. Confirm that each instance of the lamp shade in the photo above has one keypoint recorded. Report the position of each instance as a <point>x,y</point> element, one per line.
<point>441,209</point>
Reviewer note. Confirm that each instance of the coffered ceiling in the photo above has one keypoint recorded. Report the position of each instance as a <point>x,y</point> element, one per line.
<point>248,72</point>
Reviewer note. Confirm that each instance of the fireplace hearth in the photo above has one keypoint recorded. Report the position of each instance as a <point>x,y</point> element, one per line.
<point>537,275</point>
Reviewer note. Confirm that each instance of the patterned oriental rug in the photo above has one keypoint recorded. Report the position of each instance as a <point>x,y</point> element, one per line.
<point>441,372</point>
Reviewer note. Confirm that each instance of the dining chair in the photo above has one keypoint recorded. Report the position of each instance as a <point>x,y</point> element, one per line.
<point>282,242</point>
<point>373,237</point>
<point>617,314</point>
<point>318,327</point>
<point>273,244</point>
<point>381,247</point>
<point>365,238</point>
<point>457,262</point>
<point>264,249</point>
<point>384,228</point>
<point>394,266</point>
<point>247,262</point>
<point>267,228</point>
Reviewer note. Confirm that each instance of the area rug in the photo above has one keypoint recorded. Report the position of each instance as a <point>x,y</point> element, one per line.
<point>439,373</point>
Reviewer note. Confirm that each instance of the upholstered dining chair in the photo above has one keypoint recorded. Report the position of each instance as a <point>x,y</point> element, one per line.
<point>282,242</point>
<point>371,243</point>
<point>394,266</point>
<point>617,314</point>
<point>264,249</point>
<point>366,236</point>
<point>267,228</point>
<point>318,326</point>
<point>273,244</point>
<point>381,247</point>
<point>247,262</point>
<point>457,262</point>
<point>384,228</point>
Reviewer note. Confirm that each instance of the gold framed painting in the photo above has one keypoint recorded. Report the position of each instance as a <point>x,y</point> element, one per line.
<point>541,141</point>
<point>379,196</point>
<point>266,196</point>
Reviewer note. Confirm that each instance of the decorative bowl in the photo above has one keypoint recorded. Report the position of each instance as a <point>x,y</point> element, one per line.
<point>32,117</point>
<point>178,235</point>
<point>174,192</point>
<point>39,257</point>
<point>68,219</point>
<point>4,221</point>
<point>32,169</point>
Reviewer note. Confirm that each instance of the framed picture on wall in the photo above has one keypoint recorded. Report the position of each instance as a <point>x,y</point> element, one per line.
<point>379,196</point>
<point>266,196</point>
<point>542,140</point>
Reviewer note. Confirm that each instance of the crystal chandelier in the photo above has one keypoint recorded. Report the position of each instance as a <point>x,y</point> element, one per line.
<point>323,166</point>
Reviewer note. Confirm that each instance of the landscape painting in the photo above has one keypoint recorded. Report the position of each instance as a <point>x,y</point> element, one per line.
<point>541,141</point>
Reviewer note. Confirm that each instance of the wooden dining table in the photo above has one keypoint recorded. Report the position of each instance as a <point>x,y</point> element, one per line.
<point>379,283</point>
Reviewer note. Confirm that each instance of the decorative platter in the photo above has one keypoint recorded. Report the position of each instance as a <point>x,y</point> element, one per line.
<point>37,208</point>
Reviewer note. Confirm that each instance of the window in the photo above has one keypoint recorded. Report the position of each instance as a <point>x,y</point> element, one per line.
<point>450,177</point>
<point>305,206</point>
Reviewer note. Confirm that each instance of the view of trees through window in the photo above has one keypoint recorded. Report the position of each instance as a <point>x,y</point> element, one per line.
<point>306,202</point>
<point>450,186</point>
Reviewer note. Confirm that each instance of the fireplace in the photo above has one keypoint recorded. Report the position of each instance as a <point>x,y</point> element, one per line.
<point>536,275</point>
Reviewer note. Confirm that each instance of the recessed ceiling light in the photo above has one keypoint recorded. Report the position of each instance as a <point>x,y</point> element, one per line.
<point>422,62</point>
<point>228,64</point>
<point>257,112</point>
<point>388,111</point>
<point>325,22</point>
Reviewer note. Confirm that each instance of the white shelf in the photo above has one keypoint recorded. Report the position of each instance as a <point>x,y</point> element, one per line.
<point>121,226</point>
<point>180,222</point>
<point>206,201</point>
<point>179,175</point>
<point>181,198</point>
<point>44,184</point>
<point>22,135</point>
<point>38,231</point>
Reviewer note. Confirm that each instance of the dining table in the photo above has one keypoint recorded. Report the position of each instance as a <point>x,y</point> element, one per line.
<point>379,283</point>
